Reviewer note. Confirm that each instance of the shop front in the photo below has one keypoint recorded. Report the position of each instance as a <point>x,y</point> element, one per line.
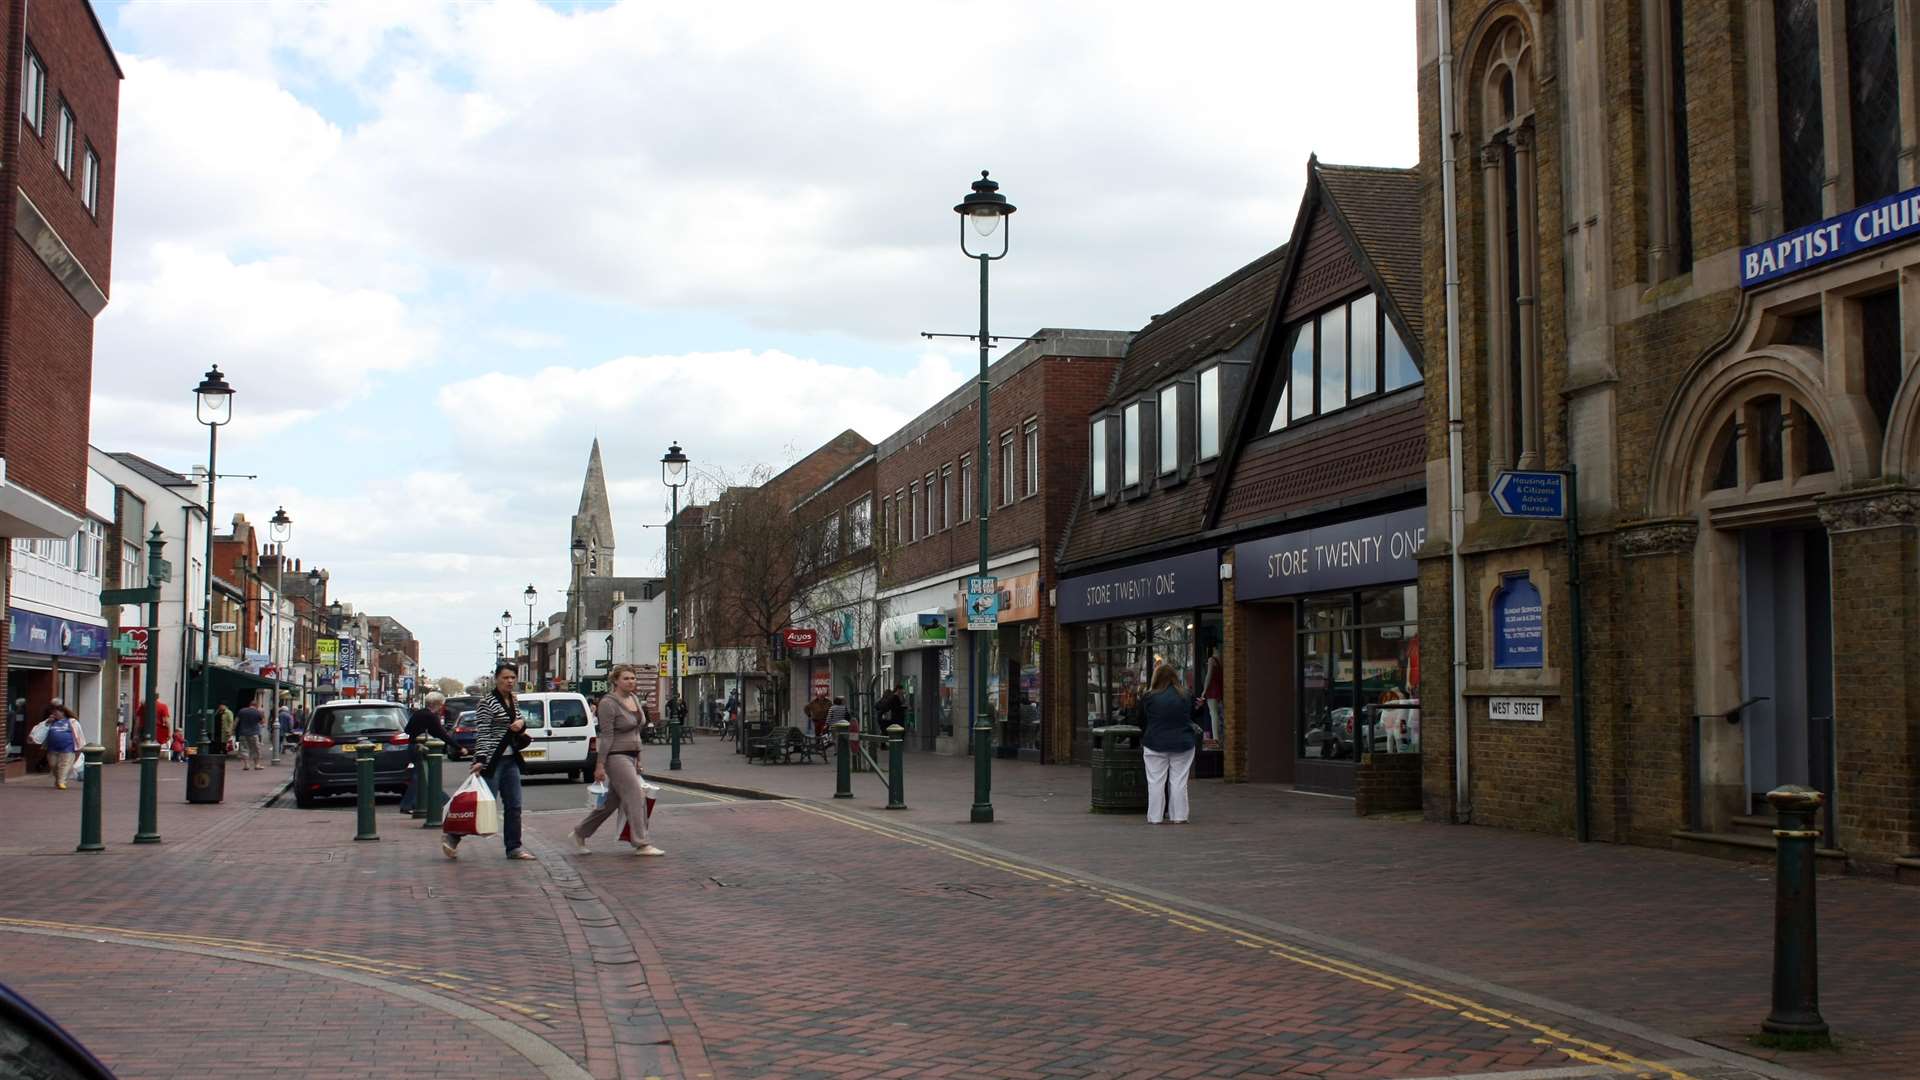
<point>916,654</point>
<point>1328,627</point>
<point>48,657</point>
<point>1127,620</point>
<point>1014,664</point>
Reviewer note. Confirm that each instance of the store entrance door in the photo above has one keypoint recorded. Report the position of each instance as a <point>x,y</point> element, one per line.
<point>1786,615</point>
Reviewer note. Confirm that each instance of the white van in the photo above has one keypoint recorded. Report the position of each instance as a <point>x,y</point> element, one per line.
<point>566,735</point>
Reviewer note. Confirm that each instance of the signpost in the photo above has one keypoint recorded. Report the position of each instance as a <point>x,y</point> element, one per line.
<point>1550,496</point>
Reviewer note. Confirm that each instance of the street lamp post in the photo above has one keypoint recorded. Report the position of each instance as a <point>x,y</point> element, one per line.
<point>148,830</point>
<point>280,527</point>
<point>497,647</point>
<point>213,406</point>
<point>983,208</point>
<point>531,596</point>
<point>578,634</point>
<point>673,472</point>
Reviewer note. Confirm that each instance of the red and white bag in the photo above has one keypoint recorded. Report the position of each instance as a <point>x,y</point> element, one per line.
<point>473,810</point>
<point>626,827</point>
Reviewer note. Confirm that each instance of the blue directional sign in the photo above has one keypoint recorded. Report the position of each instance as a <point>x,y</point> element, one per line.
<point>1531,494</point>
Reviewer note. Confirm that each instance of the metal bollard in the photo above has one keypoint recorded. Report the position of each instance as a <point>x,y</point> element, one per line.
<point>148,831</point>
<point>896,767</point>
<point>842,765</point>
<point>90,800</point>
<point>363,768</point>
<point>1796,953</point>
<point>673,737</point>
<point>419,779</point>
<point>430,790</point>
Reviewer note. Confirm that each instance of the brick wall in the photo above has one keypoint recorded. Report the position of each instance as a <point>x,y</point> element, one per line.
<point>1383,783</point>
<point>48,384</point>
<point>80,70</point>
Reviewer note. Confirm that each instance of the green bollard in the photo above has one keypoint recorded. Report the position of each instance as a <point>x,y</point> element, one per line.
<point>896,767</point>
<point>420,779</point>
<point>673,736</point>
<point>363,767</point>
<point>842,762</point>
<point>436,806</point>
<point>90,800</point>
<point>1796,954</point>
<point>148,831</point>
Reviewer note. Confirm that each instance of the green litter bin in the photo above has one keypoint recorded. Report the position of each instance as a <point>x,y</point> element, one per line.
<point>1119,771</point>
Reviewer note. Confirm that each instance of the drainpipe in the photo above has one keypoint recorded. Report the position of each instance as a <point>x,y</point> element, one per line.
<point>1456,459</point>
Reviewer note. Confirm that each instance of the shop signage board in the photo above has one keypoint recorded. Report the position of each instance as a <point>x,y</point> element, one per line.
<point>1860,229</point>
<point>1519,624</point>
<point>1019,600</point>
<point>800,638</point>
<point>1531,709</point>
<point>1347,555</point>
<point>1530,494</point>
<point>349,653</point>
<point>225,627</point>
<point>983,602</point>
<point>822,680</point>
<point>926,629</point>
<point>137,635</point>
<point>50,635</point>
<point>1181,581</point>
<point>666,656</point>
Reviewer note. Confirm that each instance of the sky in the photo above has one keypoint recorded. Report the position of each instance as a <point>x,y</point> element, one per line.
<point>439,249</point>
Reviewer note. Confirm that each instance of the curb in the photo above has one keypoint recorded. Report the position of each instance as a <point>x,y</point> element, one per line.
<point>720,789</point>
<point>274,795</point>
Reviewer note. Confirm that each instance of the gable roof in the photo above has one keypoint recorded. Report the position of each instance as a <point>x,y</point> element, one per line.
<point>1215,318</point>
<point>159,474</point>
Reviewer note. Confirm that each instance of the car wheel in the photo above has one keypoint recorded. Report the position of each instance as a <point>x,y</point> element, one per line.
<point>302,798</point>
<point>573,776</point>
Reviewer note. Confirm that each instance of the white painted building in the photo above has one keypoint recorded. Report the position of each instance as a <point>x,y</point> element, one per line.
<point>56,638</point>
<point>175,502</point>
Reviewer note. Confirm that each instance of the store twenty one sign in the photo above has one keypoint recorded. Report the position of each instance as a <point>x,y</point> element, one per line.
<point>1370,551</point>
<point>1884,221</point>
<point>1183,581</point>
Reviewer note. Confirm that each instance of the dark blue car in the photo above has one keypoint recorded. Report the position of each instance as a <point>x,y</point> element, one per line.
<point>31,1044</point>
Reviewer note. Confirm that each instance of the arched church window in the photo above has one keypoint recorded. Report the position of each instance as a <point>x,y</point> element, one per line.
<point>1510,223</point>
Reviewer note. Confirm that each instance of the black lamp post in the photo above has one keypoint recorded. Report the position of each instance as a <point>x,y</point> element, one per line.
<point>673,473</point>
<point>213,406</point>
<point>985,209</point>
<point>280,528</point>
<point>531,596</point>
<point>579,553</point>
<point>498,650</point>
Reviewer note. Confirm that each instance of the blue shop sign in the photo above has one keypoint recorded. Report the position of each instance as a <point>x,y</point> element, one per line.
<point>1352,554</point>
<point>1183,581</point>
<point>1881,222</point>
<point>50,635</point>
<point>1519,624</point>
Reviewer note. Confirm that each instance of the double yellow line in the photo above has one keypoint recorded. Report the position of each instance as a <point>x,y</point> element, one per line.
<point>1578,1049</point>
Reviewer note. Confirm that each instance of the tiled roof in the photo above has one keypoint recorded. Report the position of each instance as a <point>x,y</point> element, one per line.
<point>1382,208</point>
<point>1216,318</point>
<point>161,475</point>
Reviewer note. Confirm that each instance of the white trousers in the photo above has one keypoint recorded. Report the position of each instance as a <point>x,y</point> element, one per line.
<point>1167,785</point>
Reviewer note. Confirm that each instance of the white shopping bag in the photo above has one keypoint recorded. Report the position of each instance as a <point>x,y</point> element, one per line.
<point>473,811</point>
<point>596,794</point>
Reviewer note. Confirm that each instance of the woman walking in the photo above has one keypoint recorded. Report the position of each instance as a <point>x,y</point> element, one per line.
<point>64,739</point>
<point>498,729</point>
<point>622,715</point>
<point>1169,744</point>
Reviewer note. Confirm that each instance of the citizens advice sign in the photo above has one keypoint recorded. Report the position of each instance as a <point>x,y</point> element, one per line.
<point>1883,221</point>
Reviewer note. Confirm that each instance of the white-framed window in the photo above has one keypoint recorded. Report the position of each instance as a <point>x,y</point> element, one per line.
<point>1130,445</point>
<point>946,495</point>
<point>33,92</point>
<point>1097,450</point>
<point>901,513</point>
<point>1030,437</point>
<point>1345,354</point>
<point>1006,467</point>
<point>934,524</point>
<point>966,487</point>
<point>860,523</point>
<point>90,549</point>
<point>63,140</point>
<point>1208,431</point>
<point>830,538</point>
<point>914,530</point>
<point>133,569</point>
<point>1169,424</point>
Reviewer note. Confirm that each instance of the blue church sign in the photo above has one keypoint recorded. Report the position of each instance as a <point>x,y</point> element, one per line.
<point>1519,624</point>
<point>1880,222</point>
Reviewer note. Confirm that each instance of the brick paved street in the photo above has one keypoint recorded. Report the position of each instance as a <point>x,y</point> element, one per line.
<point>813,938</point>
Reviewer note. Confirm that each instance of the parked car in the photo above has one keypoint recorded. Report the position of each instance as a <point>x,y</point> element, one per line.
<point>32,1044</point>
<point>324,763</point>
<point>1332,733</point>
<point>566,737</point>
<point>463,735</point>
<point>1395,726</point>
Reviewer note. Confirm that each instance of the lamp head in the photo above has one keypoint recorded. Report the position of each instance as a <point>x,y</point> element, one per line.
<point>280,526</point>
<point>531,596</point>
<point>579,552</point>
<point>673,467</point>
<point>213,399</point>
<point>983,208</point>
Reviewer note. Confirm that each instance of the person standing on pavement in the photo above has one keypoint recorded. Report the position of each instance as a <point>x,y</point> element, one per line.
<point>816,713</point>
<point>246,731</point>
<point>497,725</point>
<point>283,723</point>
<point>429,721</point>
<point>892,709</point>
<point>224,717</point>
<point>622,714</point>
<point>63,739</point>
<point>836,712</point>
<point>1169,744</point>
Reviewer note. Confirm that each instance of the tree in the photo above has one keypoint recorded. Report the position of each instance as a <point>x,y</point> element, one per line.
<point>450,687</point>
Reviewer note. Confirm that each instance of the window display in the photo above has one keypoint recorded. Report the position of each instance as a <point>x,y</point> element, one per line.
<point>1359,654</point>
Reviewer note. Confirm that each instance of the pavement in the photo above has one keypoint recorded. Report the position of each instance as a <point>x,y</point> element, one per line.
<point>812,937</point>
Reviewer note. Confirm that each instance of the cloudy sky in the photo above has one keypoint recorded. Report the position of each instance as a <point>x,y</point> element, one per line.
<point>439,249</point>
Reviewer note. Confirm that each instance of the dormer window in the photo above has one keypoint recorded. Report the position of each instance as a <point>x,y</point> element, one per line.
<point>1338,357</point>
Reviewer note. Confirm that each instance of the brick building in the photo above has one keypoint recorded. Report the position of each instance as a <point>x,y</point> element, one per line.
<point>1689,251</point>
<point>837,589</point>
<point>930,539</point>
<point>56,183</point>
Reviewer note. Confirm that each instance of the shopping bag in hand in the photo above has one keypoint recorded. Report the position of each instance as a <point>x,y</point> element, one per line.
<point>596,794</point>
<point>473,811</point>
<point>626,827</point>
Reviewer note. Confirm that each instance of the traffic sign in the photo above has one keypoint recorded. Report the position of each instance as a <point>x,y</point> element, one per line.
<point>1530,494</point>
<point>406,683</point>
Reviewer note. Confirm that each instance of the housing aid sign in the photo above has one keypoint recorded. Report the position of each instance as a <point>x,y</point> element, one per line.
<point>1895,217</point>
<point>1369,551</point>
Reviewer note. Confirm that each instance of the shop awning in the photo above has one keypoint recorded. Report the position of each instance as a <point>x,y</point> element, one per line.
<point>24,514</point>
<point>227,685</point>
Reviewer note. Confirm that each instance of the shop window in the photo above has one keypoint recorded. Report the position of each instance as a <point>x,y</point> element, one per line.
<point>1097,457</point>
<point>1209,409</point>
<point>1880,350</point>
<point>1873,99</point>
<point>1130,445</point>
<point>1358,651</point>
<point>1802,151</point>
<point>1168,416</point>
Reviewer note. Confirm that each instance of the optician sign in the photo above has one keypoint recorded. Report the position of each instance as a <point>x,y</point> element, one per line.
<point>1882,222</point>
<point>1369,551</point>
<point>1183,581</point>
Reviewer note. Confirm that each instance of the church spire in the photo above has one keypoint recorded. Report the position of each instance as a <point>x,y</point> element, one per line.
<point>593,522</point>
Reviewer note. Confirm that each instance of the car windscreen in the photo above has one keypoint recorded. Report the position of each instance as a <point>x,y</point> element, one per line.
<point>362,721</point>
<point>566,712</point>
<point>465,720</point>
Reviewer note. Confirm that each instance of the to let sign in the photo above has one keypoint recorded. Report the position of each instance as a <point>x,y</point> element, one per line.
<point>1516,708</point>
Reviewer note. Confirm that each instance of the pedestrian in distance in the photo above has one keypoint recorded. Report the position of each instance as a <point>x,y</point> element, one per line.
<point>247,728</point>
<point>429,721</point>
<point>63,739</point>
<point>836,712</point>
<point>283,725</point>
<point>499,734</point>
<point>892,709</point>
<point>1169,742</point>
<point>225,718</point>
<point>622,715</point>
<point>816,713</point>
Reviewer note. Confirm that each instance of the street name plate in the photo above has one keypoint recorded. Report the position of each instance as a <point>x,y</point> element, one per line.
<point>1516,708</point>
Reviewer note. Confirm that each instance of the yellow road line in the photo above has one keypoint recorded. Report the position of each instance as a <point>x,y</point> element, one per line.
<point>1466,1008</point>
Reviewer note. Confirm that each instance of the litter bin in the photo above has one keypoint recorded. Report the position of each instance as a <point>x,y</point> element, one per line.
<point>1119,771</point>
<point>206,778</point>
